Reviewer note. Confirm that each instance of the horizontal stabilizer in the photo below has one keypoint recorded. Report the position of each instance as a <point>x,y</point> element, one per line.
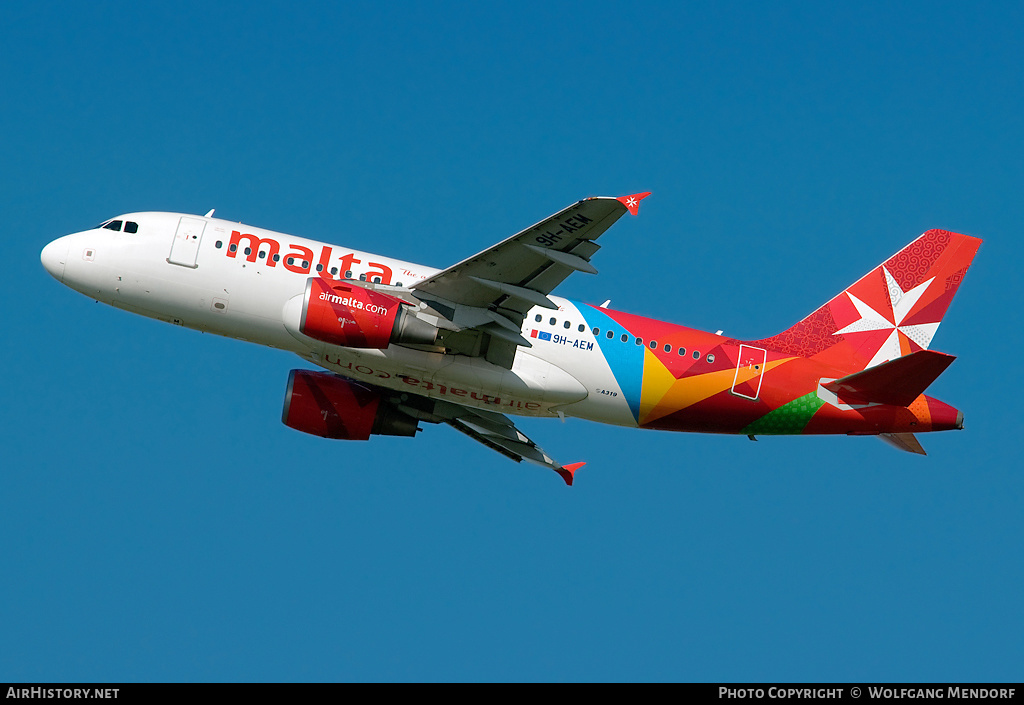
<point>903,441</point>
<point>897,382</point>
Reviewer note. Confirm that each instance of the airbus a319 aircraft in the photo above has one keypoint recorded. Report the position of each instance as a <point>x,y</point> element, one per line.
<point>485,339</point>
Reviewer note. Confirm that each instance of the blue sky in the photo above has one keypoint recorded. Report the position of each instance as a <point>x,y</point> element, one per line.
<point>159,523</point>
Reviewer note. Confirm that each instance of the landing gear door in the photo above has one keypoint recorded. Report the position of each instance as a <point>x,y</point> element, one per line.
<point>749,369</point>
<point>185,247</point>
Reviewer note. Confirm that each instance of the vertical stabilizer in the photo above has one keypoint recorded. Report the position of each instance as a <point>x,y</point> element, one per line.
<point>891,311</point>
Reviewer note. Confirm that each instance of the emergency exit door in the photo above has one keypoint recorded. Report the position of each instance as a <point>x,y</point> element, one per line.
<point>749,370</point>
<point>185,248</point>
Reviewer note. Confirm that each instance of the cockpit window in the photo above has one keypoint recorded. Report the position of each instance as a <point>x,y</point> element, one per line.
<point>115,225</point>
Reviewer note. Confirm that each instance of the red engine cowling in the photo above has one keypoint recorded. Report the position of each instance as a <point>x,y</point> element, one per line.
<point>349,315</point>
<point>333,407</point>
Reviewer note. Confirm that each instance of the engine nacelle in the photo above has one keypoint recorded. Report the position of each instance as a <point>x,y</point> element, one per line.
<point>345,314</point>
<point>329,406</point>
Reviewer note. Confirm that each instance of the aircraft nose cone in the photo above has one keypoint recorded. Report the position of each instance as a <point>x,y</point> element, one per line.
<point>54,256</point>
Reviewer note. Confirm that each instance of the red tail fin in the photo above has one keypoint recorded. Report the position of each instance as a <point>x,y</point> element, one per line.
<point>891,311</point>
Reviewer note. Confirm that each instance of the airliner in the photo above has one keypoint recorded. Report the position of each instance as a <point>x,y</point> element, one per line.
<point>399,344</point>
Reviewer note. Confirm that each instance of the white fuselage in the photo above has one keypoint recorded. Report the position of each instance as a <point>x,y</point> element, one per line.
<point>242,282</point>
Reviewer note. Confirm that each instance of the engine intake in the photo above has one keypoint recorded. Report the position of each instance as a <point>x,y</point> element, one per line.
<point>345,314</point>
<point>325,405</point>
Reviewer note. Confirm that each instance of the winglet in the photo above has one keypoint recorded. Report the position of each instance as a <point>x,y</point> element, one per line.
<point>632,203</point>
<point>568,471</point>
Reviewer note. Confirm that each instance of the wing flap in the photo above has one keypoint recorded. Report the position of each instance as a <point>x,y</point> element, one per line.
<point>534,298</point>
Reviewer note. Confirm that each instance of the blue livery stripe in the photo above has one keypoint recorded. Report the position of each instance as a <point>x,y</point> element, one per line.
<point>626,360</point>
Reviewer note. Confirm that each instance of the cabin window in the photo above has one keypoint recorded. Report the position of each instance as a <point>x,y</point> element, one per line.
<point>611,334</point>
<point>248,250</point>
<point>262,254</point>
<point>334,271</point>
<point>624,338</point>
<point>654,344</point>
<point>668,348</point>
<point>348,273</point>
<point>682,351</point>
<point>277,258</point>
<point>639,341</point>
<point>220,244</point>
<point>376,280</point>
<point>234,247</point>
<point>319,267</point>
<point>582,328</point>
<point>567,324</point>
<point>552,321</point>
<point>290,260</point>
<point>711,358</point>
<point>538,318</point>
<point>596,331</point>
<point>305,264</point>
<point>696,354</point>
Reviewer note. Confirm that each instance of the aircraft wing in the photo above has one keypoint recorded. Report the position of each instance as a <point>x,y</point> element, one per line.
<point>491,292</point>
<point>496,431</point>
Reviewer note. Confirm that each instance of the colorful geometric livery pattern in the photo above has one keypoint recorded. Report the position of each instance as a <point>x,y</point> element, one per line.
<point>891,311</point>
<point>682,379</point>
